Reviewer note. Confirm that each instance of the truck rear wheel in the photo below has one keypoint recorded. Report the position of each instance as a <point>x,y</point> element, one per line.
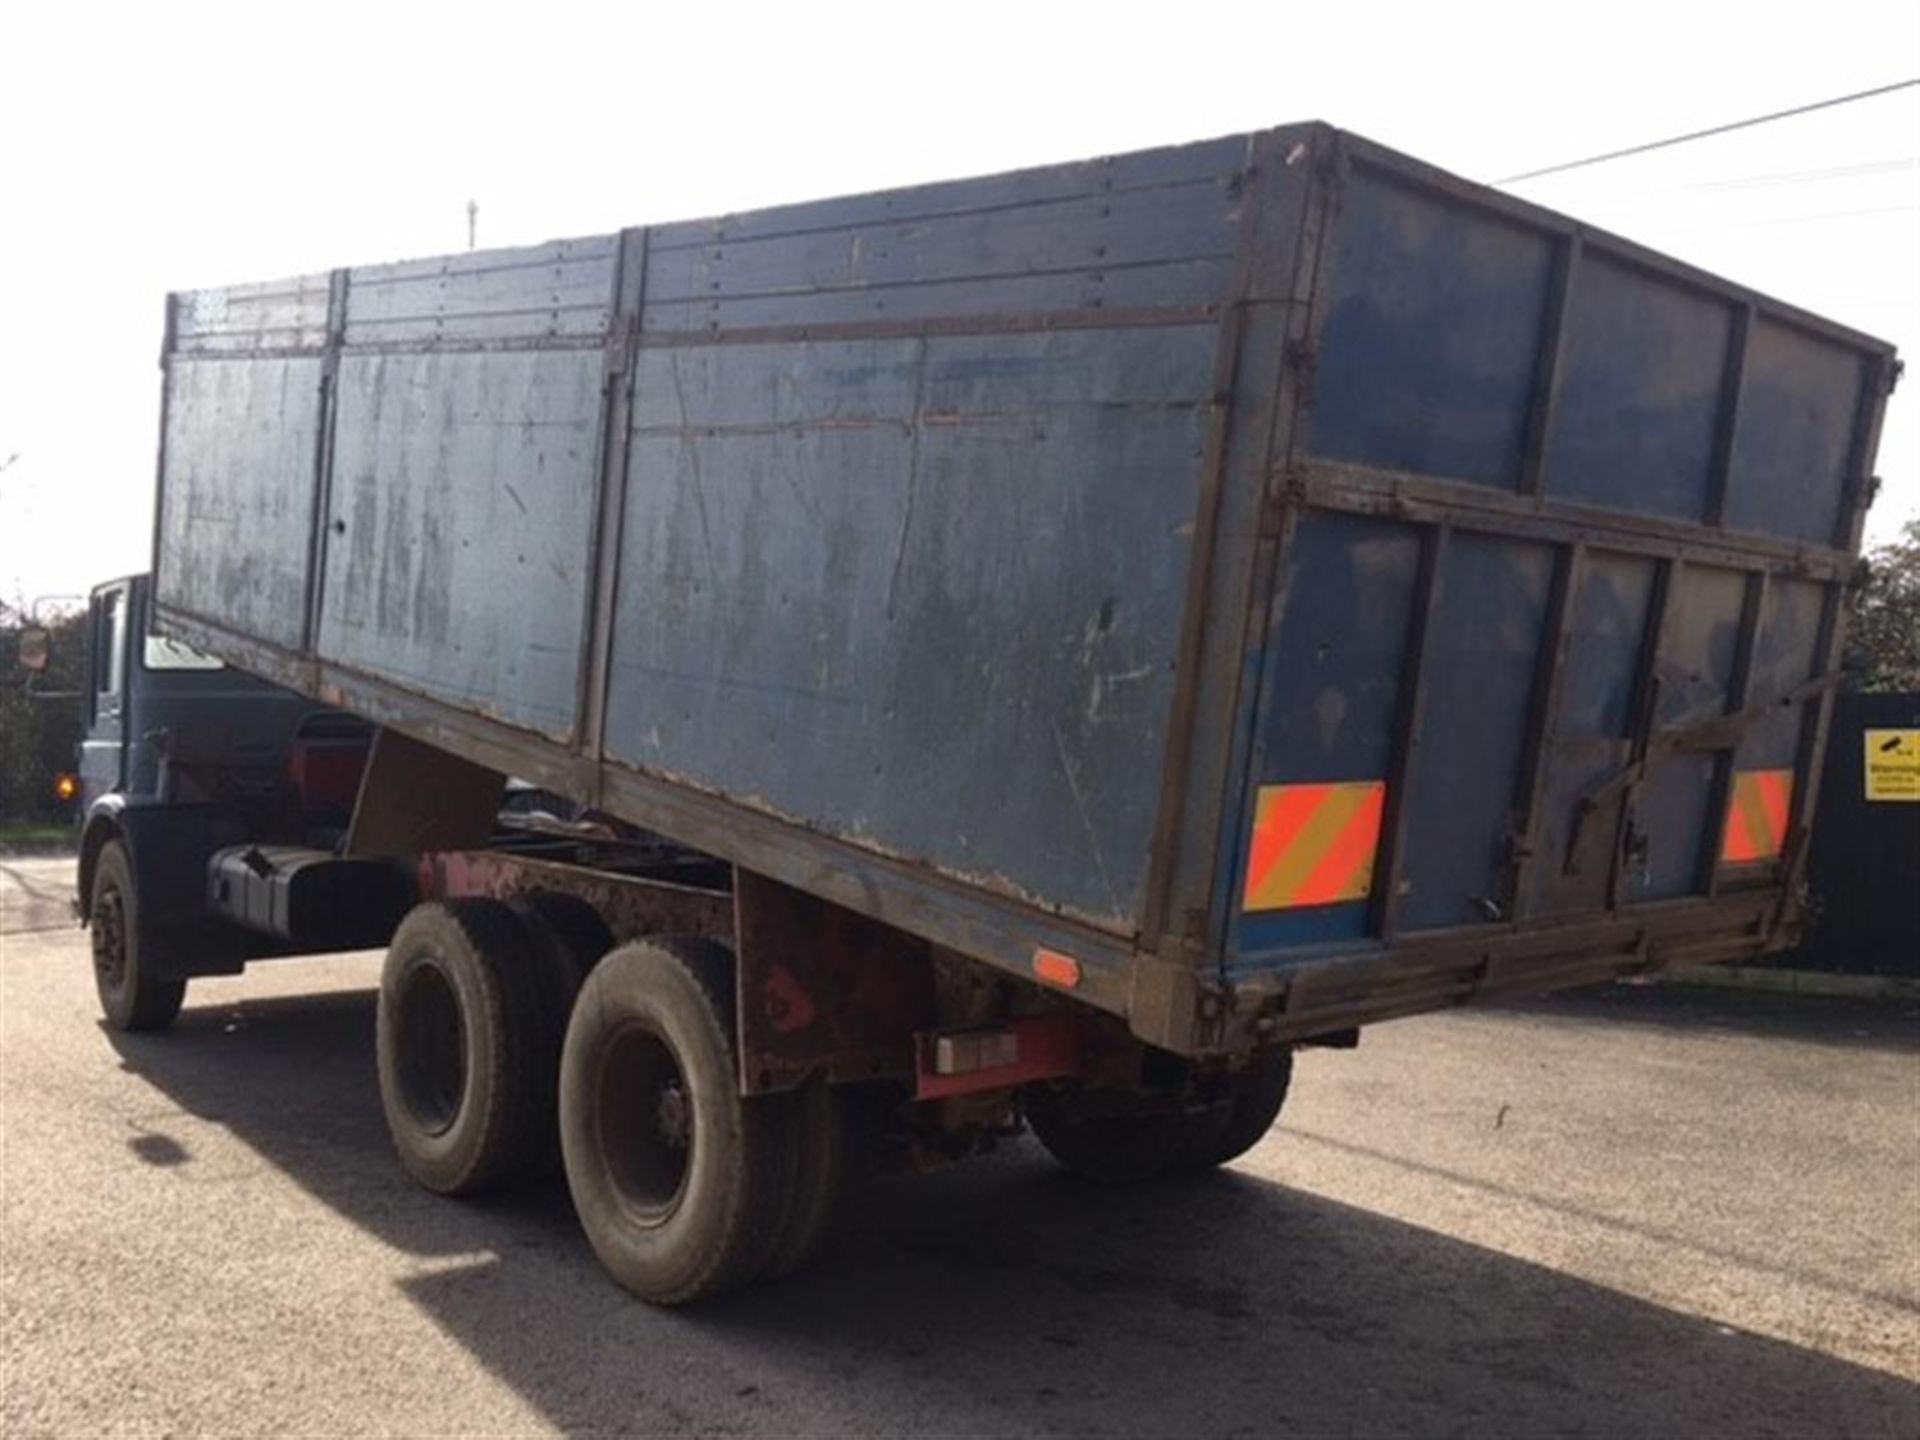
<point>468,1037</point>
<point>820,1173</point>
<point>1119,1139</point>
<point>682,1183</point>
<point>1114,1139</point>
<point>1256,1094</point>
<point>568,929</point>
<point>126,951</point>
<point>568,937</point>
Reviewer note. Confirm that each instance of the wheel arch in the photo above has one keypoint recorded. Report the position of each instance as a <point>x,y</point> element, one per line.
<point>102,826</point>
<point>168,847</point>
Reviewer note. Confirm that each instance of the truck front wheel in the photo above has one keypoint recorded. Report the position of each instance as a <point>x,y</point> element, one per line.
<point>125,953</point>
<point>683,1185</point>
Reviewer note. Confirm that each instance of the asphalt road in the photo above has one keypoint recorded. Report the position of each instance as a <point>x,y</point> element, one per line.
<point>1628,1212</point>
<point>36,893</point>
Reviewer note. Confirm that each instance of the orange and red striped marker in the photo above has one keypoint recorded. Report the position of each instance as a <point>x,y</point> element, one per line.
<point>1314,844</point>
<point>1757,816</point>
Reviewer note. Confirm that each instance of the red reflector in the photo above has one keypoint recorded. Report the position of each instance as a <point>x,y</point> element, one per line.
<point>327,772</point>
<point>1056,969</point>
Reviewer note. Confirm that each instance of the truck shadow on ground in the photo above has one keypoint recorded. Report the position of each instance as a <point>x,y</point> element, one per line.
<point>1006,1298</point>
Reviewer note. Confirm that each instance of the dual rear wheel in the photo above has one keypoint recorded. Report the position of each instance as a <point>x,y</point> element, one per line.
<point>506,1039</point>
<point>514,1036</point>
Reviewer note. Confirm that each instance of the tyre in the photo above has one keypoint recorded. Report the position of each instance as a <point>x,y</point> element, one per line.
<point>1115,1139</point>
<point>567,937</point>
<point>818,1117</point>
<point>567,928</point>
<point>1118,1138</point>
<point>683,1186</point>
<point>1256,1095</point>
<point>126,952</point>
<point>467,1044</point>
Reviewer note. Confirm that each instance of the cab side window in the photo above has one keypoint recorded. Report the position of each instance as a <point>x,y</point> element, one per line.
<point>109,654</point>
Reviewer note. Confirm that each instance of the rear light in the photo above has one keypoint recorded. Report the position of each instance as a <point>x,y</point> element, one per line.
<point>995,1057</point>
<point>973,1050</point>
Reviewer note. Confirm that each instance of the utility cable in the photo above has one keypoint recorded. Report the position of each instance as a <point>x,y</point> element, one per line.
<point>1712,130</point>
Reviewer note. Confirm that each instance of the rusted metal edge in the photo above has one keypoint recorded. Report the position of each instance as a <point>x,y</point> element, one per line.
<point>1257,194</point>
<point>1536,745</point>
<point>1021,323</point>
<point>1810,758</point>
<point>1753,602</point>
<point>1280,429</point>
<point>1094,187</point>
<point>1733,385</point>
<point>1645,710</point>
<point>1384,916</point>
<point>318,528</point>
<point>1423,974</point>
<point>169,338</point>
<point>1368,490</point>
<point>632,905</point>
<point>610,478</point>
<point>1547,367</point>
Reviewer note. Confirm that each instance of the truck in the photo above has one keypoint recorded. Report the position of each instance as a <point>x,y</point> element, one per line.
<point>1031,651</point>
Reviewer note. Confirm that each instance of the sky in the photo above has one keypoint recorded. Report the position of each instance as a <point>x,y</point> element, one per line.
<point>182,145</point>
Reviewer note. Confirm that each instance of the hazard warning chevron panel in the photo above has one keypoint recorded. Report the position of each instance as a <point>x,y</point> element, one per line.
<point>1757,816</point>
<point>1314,844</point>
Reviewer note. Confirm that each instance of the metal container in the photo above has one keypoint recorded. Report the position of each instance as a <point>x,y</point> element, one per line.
<point>1288,582</point>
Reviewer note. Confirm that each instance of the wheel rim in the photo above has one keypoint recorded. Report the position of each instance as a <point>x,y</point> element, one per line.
<point>645,1123</point>
<point>109,929</point>
<point>432,1049</point>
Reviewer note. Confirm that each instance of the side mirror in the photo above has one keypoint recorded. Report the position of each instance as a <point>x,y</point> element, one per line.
<point>36,648</point>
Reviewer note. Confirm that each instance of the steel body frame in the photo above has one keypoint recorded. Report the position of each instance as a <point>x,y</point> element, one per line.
<point>1257,480</point>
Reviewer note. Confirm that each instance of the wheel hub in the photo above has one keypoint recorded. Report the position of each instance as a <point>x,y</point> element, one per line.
<point>646,1122</point>
<point>432,1068</point>
<point>676,1117</point>
<point>109,932</point>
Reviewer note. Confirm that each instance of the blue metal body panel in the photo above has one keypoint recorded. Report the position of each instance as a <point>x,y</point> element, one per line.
<point>977,555</point>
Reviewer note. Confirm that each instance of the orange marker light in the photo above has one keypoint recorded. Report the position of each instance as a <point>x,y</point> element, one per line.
<point>65,788</point>
<point>1053,968</point>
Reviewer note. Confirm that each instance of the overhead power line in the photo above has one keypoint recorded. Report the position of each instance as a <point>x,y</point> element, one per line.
<point>1807,219</point>
<point>1712,130</point>
<point>1773,178</point>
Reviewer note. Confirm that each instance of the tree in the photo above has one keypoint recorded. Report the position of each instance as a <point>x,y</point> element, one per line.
<point>1883,633</point>
<point>39,719</point>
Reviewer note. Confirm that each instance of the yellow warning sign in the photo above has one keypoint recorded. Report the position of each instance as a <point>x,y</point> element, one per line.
<point>1893,764</point>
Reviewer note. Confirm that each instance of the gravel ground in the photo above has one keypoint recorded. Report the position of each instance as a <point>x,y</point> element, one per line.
<point>1638,1211</point>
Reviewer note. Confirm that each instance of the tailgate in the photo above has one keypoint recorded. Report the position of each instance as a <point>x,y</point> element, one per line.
<point>1562,551</point>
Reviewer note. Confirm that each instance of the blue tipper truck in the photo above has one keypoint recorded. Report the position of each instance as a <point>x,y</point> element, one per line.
<point>1035,650</point>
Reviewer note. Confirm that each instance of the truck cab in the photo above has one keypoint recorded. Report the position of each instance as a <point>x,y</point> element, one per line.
<point>182,758</point>
<point>167,725</point>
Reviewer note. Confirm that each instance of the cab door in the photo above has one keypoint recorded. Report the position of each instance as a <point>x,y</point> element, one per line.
<point>103,753</point>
